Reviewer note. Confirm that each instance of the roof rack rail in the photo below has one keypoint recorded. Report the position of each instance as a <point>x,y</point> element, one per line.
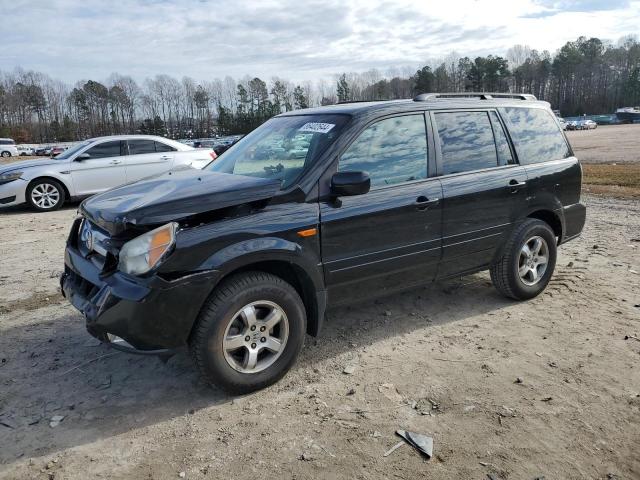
<point>357,101</point>
<point>424,97</point>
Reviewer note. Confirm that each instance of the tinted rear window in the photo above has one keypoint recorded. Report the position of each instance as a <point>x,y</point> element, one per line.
<point>466,141</point>
<point>140,147</point>
<point>7,142</point>
<point>536,135</point>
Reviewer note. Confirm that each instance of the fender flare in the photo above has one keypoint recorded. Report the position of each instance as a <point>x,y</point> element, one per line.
<point>274,250</point>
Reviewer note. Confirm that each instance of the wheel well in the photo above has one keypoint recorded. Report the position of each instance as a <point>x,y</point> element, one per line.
<point>550,219</point>
<point>297,278</point>
<point>64,187</point>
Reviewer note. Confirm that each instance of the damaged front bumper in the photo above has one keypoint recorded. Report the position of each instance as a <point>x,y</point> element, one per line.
<point>147,315</point>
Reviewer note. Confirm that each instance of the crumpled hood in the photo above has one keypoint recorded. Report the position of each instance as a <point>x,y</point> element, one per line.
<point>173,196</point>
<point>22,164</point>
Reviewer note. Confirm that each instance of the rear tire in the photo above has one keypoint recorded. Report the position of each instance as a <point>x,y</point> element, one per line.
<point>249,332</point>
<point>5,154</point>
<point>528,262</point>
<point>45,195</point>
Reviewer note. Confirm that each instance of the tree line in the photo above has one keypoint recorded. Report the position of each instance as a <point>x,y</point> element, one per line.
<point>587,75</point>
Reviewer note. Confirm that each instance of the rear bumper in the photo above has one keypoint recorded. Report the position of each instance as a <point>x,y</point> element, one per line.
<point>574,219</point>
<point>150,314</point>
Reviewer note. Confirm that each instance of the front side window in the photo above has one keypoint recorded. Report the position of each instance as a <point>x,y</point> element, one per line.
<point>393,150</point>
<point>281,148</point>
<point>140,147</point>
<point>466,141</point>
<point>105,150</point>
<point>536,135</point>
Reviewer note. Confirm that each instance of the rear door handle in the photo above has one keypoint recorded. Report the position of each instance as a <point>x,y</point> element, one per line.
<point>115,162</point>
<point>165,157</point>
<point>423,203</point>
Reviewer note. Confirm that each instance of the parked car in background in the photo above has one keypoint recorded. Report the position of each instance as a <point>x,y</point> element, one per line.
<point>563,123</point>
<point>94,166</point>
<point>589,125</point>
<point>42,150</point>
<point>8,148</point>
<point>56,151</point>
<point>240,261</point>
<point>26,151</point>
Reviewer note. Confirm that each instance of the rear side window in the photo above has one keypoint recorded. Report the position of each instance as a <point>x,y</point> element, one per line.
<point>505,157</point>
<point>391,151</point>
<point>139,147</point>
<point>163,147</point>
<point>466,141</point>
<point>536,135</point>
<point>7,142</point>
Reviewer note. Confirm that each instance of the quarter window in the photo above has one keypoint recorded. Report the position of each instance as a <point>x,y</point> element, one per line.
<point>163,147</point>
<point>536,135</point>
<point>466,141</point>
<point>105,150</point>
<point>393,150</point>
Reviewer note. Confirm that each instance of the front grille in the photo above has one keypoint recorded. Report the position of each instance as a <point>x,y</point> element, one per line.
<point>84,287</point>
<point>95,245</point>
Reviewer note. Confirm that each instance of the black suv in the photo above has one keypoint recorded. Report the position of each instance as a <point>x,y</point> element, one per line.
<point>320,207</point>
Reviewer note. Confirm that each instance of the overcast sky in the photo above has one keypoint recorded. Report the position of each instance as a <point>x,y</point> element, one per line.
<point>295,39</point>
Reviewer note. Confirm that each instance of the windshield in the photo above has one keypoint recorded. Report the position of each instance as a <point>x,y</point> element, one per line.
<point>71,151</point>
<point>281,148</point>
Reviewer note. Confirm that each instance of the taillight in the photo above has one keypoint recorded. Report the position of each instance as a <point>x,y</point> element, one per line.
<point>213,155</point>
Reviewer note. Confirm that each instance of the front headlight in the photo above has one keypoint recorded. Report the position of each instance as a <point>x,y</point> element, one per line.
<point>141,254</point>
<point>10,177</point>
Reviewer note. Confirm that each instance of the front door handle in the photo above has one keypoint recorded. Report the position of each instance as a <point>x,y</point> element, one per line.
<point>515,185</point>
<point>165,157</point>
<point>115,162</point>
<point>423,202</point>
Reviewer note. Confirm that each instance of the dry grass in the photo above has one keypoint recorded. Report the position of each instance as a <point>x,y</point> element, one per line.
<point>614,180</point>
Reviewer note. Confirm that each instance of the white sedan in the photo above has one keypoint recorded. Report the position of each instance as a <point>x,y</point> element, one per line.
<point>93,166</point>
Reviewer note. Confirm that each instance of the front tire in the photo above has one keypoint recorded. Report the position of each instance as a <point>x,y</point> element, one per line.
<point>45,195</point>
<point>528,262</point>
<point>5,154</point>
<point>249,332</point>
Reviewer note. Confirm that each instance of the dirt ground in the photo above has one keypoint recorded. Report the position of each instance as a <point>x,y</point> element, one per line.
<point>607,144</point>
<point>442,360</point>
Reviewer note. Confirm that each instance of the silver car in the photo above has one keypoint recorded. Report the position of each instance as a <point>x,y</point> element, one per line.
<point>93,166</point>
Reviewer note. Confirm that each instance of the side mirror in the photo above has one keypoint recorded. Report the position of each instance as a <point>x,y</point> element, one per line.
<point>344,184</point>
<point>82,156</point>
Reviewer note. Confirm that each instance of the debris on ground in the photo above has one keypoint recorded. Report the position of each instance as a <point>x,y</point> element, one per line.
<point>390,391</point>
<point>393,449</point>
<point>349,369</point>
<point>422,443</point>
<point>519,380</point>
<point>627,337</point>
<point>55,420</point>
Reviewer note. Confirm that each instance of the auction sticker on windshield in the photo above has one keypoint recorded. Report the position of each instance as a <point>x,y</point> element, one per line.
<point>316,127</point>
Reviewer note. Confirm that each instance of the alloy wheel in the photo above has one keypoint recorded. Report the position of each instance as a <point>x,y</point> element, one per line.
<point>45,195</point>
<point>533,260</point>
<point>255,337</point>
